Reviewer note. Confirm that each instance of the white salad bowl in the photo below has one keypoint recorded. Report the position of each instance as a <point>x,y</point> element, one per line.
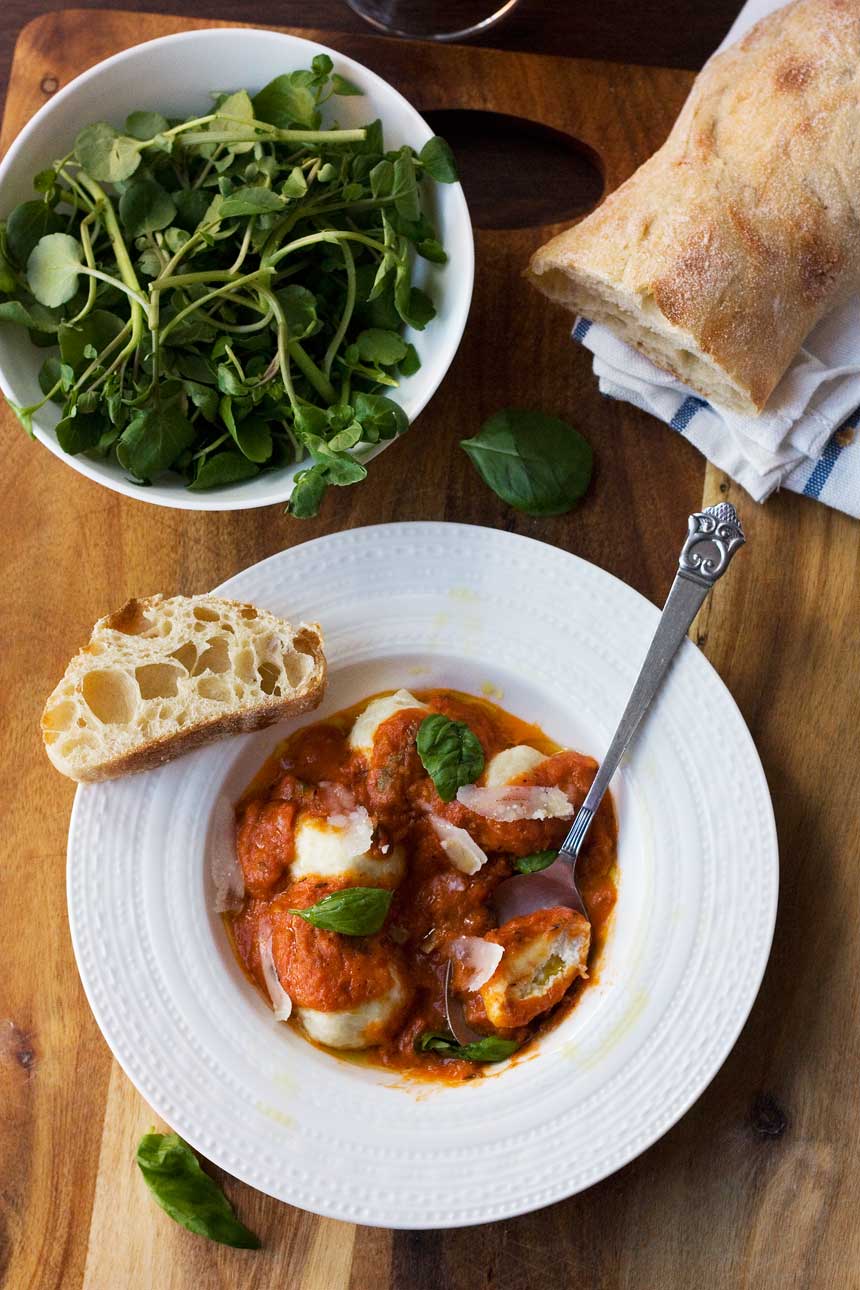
<point>176,75</point>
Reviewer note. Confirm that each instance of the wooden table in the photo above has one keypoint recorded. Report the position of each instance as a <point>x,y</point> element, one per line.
<point>758,1185</point>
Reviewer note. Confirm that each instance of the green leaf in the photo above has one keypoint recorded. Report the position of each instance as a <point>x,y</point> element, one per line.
<point>45,180</point>
<point>309,488</point>
<point>340,85</point>
<point>534,462</point>
<point>253,438</point>
<point>378,346</point>
<point>106,154</point>
<point>419,310</point>
<point>49,375</point>
<point>153,440</point>
<point>410,363</point>
<point>27,225</point>
<point>430,249</point>
<point>191,207</point>
<point>145,207</point>
<point>354,911</point>
<point>53,268</point>
<point>379,417</point>
<point>223,468</point>
<point>438,160</point>
<point>239,106</point>
<point>287,101</point>
<point>81,432</point>
<point>146,125</point>
<point>295,185</point>
<point>450,753</point>
<point>405,190</point>
<point>534,863</point>
<point>492,1048</point>
<point>173,1175</point>
<point>98,329</point>
<point>203,397</point>
<point>32,315</point>
<point>300,310</point>
<point>382,179</point>
<point>250,201</point>
<point>321,66</point>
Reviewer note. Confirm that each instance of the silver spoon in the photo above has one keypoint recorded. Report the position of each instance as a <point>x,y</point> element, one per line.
<point>713,536</point>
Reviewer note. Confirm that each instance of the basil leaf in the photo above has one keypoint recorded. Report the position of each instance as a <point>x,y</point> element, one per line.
<point>438,160</point>
<point>355,911</point>
<point>450,753</point>
<point>492,1048</point>
<point>534,863</point>
<point>536,463</point>
<point>172,1173</point>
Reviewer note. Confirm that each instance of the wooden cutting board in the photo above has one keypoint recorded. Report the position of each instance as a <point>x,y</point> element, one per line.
<point>758,1184</point>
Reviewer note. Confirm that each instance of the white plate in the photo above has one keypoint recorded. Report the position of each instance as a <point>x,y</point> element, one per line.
<point>560,641</point>
<point>176,75</point>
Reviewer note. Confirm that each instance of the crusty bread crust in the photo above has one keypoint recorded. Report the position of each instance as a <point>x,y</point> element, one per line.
<point>722,252</point>
<point>161,677</point>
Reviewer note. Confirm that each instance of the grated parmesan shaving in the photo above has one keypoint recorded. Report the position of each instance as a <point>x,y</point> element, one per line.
<point>516,802</point>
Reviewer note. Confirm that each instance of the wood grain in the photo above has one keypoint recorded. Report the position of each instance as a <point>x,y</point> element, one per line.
<point>757,1187</point>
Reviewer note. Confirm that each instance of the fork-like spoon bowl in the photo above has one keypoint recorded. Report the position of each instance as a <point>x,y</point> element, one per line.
<point>713,537</point>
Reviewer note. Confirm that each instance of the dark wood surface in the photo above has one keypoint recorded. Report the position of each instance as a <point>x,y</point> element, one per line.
<point>757,1187</point>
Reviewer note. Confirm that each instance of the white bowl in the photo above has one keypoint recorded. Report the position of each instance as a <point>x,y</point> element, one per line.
<point>175,75</point>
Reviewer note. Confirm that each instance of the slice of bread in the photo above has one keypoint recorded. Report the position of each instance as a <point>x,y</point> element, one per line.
<point>160,677</point>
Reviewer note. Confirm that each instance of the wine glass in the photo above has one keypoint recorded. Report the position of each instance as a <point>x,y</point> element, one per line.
<point>432,19</point>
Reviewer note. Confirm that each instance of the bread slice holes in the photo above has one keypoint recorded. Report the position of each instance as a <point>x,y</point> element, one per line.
<point>248,611</point>
<point>296,667</point>
<point>269,676</point>
<point>186,655</point>
<point>214,659</point>
<point>84,741</point>
<point>130,620</point>
<point>204,615</point>
<point>60,717</point>
<point>244,666</point>
<point>110,696</point>
<point>94,647</point>
<point>214,687</point>
<point>158,680</point>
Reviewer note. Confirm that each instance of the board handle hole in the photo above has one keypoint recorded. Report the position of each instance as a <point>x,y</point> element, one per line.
<point>518,173</point>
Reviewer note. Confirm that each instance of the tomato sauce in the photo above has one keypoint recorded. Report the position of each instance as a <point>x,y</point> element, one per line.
<point>396,976</point>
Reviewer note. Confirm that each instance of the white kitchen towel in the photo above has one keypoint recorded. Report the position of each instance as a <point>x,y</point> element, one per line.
<point>804,441</point>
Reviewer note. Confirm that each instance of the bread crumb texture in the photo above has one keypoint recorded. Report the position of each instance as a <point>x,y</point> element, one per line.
<point>161,676</point>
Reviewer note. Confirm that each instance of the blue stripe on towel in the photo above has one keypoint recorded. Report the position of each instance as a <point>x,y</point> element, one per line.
<point>581,329</point>
<point>686,412</point>
<point>822,469</point>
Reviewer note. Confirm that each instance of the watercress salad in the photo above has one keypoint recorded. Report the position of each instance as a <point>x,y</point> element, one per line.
<point>227,292</point>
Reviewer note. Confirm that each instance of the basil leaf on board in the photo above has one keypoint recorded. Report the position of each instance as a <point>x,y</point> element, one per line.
<point>536,463</point>
<point>450,753</point>
<point>354,911</point>
<point>438,160</point>
<point>492,1048</point>
<point>534,863</point>
<point>172,1173</point>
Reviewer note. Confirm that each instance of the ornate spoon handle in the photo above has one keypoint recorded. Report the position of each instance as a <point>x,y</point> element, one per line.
<point>713,536</point>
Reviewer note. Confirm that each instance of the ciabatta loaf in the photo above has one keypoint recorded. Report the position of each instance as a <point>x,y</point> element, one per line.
<point>160,677</point>
<point>721,253</point>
